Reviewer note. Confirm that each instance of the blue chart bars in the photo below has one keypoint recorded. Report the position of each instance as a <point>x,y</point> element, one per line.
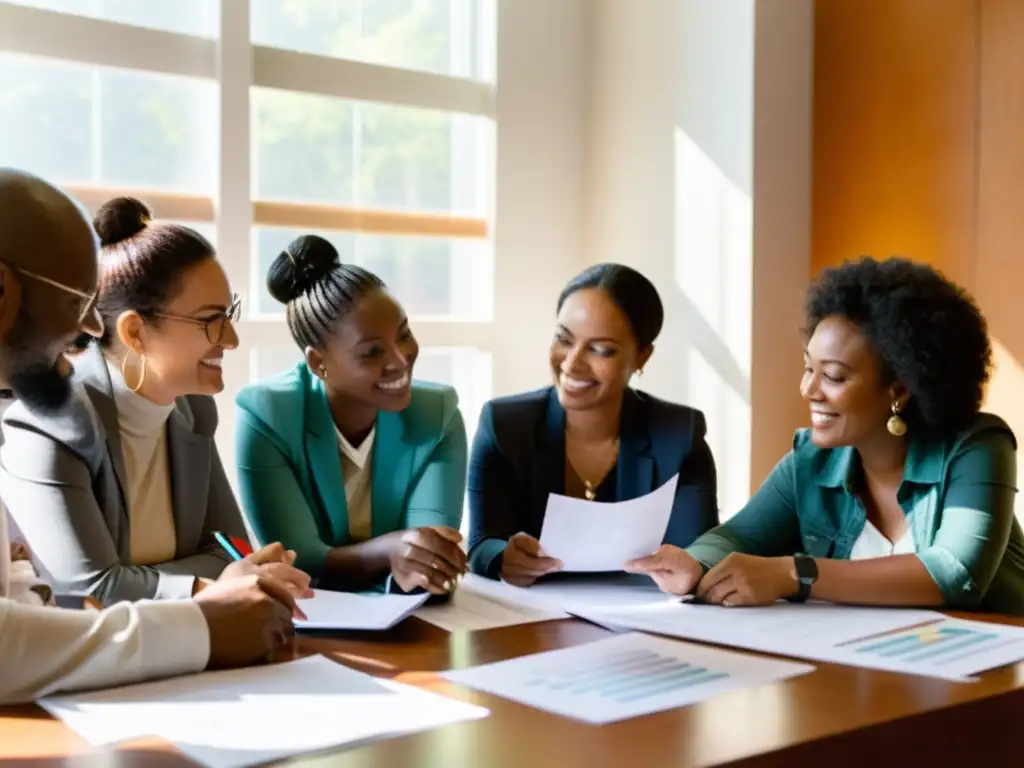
<point>625,677</point>
<point>932,645</point>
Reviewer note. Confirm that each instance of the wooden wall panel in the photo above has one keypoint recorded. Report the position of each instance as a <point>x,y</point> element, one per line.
<point>999,265</point>
<point>895,103</point>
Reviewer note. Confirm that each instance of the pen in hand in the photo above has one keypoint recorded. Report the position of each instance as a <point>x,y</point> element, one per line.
<point>230,548</point>
<point>236,555</point>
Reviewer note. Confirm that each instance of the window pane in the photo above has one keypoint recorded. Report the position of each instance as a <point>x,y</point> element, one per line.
<point>189,17</point>
<point>450,37</point>
<point>78,124</point>
<point>318,149</point>
<point>430,276</point>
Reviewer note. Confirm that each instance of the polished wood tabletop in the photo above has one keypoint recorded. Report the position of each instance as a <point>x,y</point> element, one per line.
<point>834,716</point>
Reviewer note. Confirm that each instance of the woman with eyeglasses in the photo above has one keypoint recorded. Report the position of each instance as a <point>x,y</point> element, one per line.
<point>120,492</point>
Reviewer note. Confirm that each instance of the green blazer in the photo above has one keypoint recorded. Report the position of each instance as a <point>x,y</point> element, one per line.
<point>958,495</point>
<point>289,465</point>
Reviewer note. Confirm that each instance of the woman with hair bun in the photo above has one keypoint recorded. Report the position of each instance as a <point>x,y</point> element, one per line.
<point>345,459</point>
<point>119,492</point>
<point>589,435</point>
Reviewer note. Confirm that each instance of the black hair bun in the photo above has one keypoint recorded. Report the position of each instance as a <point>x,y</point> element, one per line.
<point>121,218</point>
<point>307,260</point>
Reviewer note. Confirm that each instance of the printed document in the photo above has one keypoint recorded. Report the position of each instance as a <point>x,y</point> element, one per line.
<point>251,716</point>
<point>602,536</point>
<point>482,603</point>
<point>352,611</point>
<point>623,676</point>
<point>953,648</point>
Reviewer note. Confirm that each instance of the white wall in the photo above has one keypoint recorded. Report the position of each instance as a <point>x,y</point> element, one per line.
<point>540,174</point>
<point>704,186</point>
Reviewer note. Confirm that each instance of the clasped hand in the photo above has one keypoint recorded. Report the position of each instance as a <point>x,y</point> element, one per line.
<point>738,580</point>
<point>428,558</point>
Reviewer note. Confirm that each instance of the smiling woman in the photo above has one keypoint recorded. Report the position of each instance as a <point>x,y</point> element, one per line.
<point>345,458</point>
<point>901,492</point>
<point>589,435</point>
<point>120,492</point>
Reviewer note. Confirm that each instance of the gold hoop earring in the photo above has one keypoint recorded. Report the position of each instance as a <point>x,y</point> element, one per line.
<point>896,425</point>
<point>142,371</point>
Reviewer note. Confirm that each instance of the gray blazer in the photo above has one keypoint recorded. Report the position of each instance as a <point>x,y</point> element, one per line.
<point>62,479</point>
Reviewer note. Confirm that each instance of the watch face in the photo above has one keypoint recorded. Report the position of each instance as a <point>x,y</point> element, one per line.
<point>806,569</point>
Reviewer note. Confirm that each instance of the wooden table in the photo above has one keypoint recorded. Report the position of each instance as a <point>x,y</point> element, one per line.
<point>835,716</point>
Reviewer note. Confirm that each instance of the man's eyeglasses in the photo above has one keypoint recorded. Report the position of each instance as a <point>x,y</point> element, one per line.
<point>89,320</point>
<point>215,324</point>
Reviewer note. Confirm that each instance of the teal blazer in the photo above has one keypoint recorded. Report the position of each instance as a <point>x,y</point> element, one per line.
<point>289,465</point>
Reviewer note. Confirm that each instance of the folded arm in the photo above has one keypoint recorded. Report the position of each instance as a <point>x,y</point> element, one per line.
<point>50,650</point>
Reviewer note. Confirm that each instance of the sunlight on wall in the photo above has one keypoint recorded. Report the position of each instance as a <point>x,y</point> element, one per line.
<point>1004,400</point>
<point>713,270</point>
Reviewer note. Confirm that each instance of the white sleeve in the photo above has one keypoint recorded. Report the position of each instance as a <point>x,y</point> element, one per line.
<point>47,650</point>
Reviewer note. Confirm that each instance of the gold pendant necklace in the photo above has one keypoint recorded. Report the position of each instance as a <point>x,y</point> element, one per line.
<point>590,488</point>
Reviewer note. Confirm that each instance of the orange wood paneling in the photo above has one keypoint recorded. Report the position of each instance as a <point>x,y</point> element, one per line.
<point>895,130</point>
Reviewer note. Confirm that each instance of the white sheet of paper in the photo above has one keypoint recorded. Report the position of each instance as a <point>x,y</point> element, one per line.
<point>348,610</point>
<point>602,536</point>
<point>250,716</point>
<point>623,676</point>
<point>482,603</point>
<point>810,630</point>
<point>953,649</point>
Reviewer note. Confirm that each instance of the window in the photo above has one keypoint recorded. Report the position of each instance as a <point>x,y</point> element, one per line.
<point>322,150</point>
<point>106,127</point>
<point>429,276</point>
<point>370,122</point>
<point>190,17</point>
<point>448,37</point>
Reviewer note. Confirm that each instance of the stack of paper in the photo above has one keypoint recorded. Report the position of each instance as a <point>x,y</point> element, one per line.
<point>602,536</point>
<point>351,611</point>
<point>623,676</point>
<point>481,603</point>
<point>251,716</point>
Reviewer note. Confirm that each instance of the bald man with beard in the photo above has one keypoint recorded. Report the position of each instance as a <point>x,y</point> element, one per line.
<point>48,274</point>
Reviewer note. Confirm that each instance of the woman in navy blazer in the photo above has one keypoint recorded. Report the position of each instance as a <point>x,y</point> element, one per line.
<point>590,435</point>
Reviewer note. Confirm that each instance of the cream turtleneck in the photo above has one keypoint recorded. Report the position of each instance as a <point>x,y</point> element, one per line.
<point>143,428</point>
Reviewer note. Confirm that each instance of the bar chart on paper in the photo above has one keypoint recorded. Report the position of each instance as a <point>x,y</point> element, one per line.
<point>952,649</point>
<point>623,676</point>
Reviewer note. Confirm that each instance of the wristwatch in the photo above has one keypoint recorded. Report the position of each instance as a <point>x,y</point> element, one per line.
<point>806,575</point>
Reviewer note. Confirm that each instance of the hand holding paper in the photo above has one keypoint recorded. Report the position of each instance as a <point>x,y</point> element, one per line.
<point>599,536</point>
<point>671,568</point>
<point>523,561</point>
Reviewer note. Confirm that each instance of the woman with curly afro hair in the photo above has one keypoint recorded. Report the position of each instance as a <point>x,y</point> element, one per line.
<point>901,492</point>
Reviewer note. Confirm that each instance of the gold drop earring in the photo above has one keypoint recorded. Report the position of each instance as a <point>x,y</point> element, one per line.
<point>896,425</point>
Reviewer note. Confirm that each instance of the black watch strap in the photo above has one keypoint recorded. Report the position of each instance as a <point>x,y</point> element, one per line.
<point>806,575</point>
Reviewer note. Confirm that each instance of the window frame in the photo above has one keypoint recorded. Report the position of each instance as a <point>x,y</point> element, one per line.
<point>237,65</point>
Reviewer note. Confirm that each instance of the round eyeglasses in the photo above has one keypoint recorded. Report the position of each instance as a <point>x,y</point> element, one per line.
<point>215,324</point>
